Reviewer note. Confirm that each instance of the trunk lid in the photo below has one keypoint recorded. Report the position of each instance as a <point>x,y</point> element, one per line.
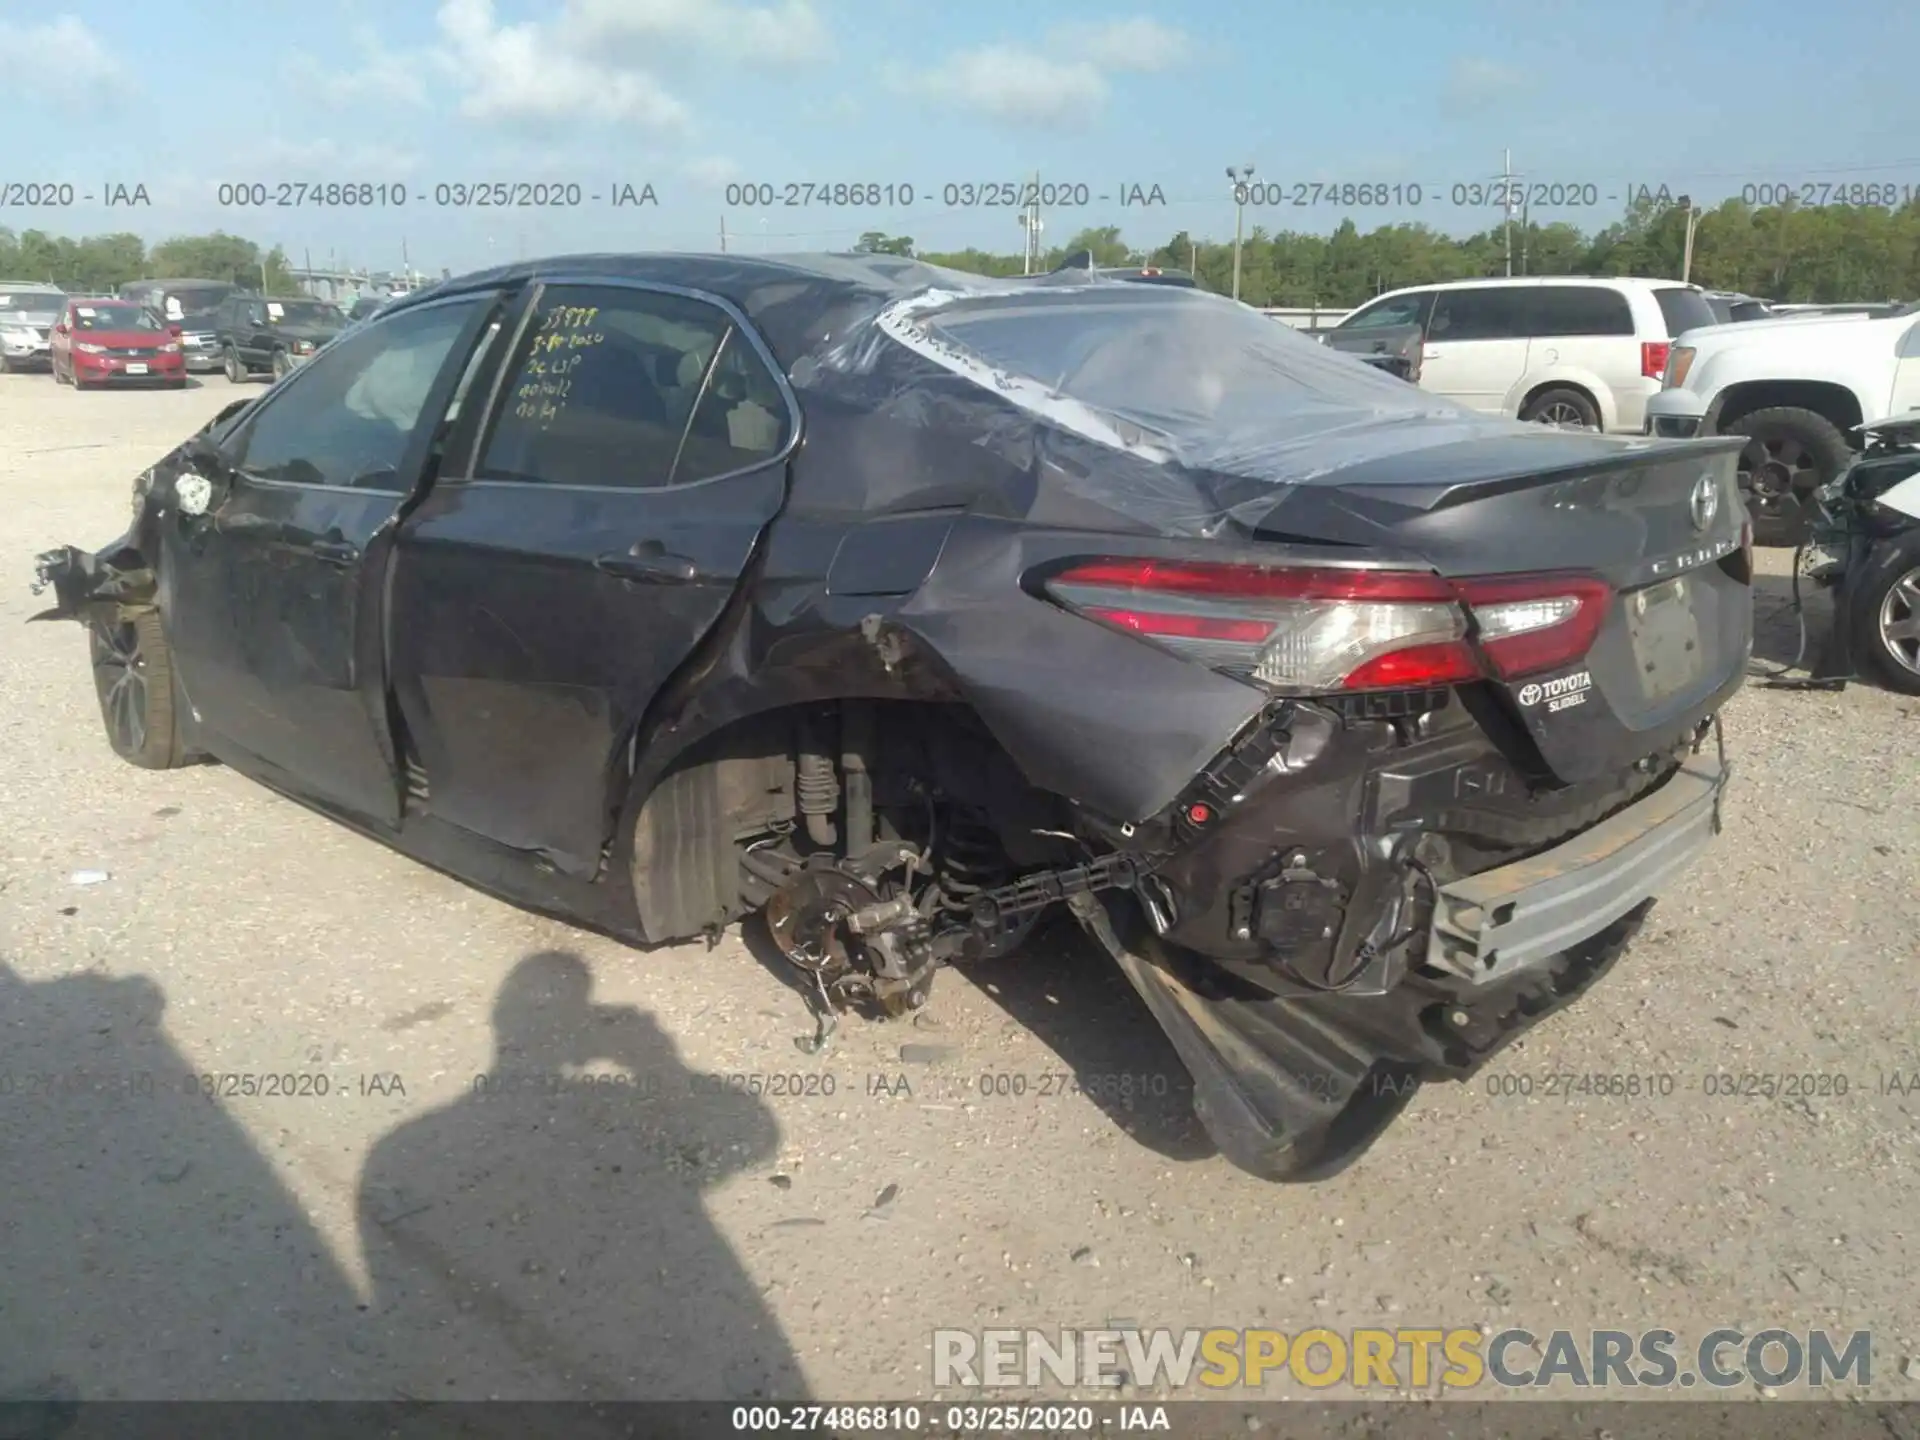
<point>1663,525</point>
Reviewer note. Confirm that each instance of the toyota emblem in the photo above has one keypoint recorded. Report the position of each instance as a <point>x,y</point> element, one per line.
<point>1530,694</point>
<point>1706,501</point>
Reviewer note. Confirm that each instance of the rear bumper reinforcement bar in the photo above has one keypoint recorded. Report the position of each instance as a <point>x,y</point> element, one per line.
<point>1490,925</point>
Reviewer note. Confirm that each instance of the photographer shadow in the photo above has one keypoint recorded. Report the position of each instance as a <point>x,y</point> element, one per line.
<point>537,1239</point>
<point>546,1230</point>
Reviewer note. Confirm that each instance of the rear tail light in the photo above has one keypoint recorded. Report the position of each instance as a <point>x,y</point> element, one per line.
<point>1653,358</point>
<point>1320,630</point>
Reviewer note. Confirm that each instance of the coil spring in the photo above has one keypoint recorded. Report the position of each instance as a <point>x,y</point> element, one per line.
<point>816,786</point>
<point>971,861</point>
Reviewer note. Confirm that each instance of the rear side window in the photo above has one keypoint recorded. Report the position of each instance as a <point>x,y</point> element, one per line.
<point>1557,310</point>
<point>1490,314</point>
<point>1684,310</point>
<point>632,389</point>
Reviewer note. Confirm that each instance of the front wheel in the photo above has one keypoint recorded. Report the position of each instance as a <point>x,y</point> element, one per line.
<point>236,372</point>
<point>280,365</point>
<point>1565,408</point>
<point>1883,619</point>
<point>133,675</point>
<point>1790,453</point>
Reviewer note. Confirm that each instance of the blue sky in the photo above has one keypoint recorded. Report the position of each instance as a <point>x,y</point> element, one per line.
<point>691,95</point>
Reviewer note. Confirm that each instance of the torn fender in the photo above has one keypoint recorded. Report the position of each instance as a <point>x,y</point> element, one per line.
<point>85,583</point>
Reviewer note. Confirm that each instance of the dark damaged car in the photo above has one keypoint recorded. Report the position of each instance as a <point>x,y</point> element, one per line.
<point>902,607</point>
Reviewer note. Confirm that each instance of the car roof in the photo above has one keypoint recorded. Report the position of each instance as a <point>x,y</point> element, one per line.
<point>792,300</point>
<point>1611,282</point>
<point>30,287</point>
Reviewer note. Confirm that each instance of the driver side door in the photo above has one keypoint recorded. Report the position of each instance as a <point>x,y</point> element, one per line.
<point>272,596</point>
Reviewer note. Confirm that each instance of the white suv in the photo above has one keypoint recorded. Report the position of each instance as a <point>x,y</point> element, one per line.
<point>1562,350</point>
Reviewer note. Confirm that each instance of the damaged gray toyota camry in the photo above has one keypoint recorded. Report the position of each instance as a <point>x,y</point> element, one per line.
<point>900,607</point>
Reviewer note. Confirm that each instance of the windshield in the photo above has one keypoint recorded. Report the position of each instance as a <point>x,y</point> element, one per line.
<point>302,312</point>
<point>32,302</point>
<point>197,301</point>
<point>115,315</point>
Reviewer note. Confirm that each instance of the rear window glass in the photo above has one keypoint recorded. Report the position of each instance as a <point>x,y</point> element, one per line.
<point>1684,310</point>
<point>1166,360</point>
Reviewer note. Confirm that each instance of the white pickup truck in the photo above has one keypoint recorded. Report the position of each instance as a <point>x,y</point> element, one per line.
<point>1799,390</point>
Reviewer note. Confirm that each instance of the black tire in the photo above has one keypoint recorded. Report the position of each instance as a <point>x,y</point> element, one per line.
<point>133,676</point>
<point>6,365</point>
<point>236,372</point>
<point>280,365</point>
<point>1790,453</point>
<point>1883,615</point>
<point>1562,406</point>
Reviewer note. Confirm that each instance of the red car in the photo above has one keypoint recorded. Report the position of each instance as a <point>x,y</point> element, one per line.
<point>99,342</point>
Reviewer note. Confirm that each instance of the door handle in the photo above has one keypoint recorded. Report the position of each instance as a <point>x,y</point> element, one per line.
<point>648,564</point>
<point>334,552</point>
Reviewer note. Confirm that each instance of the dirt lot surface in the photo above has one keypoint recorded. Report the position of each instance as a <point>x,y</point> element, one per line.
<point>803,1226</point>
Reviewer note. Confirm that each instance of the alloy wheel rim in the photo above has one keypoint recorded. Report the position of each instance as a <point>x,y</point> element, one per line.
<point>1563,415</point>
<point>1900,621</point>
<point>120,670</point>
<point>1777,471</point>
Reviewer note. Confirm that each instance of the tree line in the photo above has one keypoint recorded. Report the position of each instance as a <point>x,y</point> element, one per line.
<point>99,264</point>
<point>1824,253</point>
<point>1787,254</point>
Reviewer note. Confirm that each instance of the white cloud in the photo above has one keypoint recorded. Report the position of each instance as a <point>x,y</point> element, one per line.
<point>607,60</point>
<point>1006,82</point>
<point>79,53</point>
<point>524,74</point>
<point>789,32</point>
<point>383,74</point>
<point>1063,82</point>
<point>1139,44</point>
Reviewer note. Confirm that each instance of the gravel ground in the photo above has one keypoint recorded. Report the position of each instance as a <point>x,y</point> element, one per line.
<point>669,1236</point>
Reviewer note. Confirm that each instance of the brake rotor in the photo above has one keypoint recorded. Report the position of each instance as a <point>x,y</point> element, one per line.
<point>804,918</point>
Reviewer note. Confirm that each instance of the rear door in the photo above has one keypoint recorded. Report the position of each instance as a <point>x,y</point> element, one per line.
<point>1588,330</point>
<point>1476,347</point>
<point>592,522</point>
<point>272,595</point>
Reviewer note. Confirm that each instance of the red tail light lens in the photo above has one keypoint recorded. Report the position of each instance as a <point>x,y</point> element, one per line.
<point>1315,630</point>
<point>1653,358</point>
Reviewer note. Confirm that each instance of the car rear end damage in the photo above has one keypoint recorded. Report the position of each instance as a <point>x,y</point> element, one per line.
<point>1489,662</point>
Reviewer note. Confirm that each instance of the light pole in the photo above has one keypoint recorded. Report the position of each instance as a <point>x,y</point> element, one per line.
<point>1238,178</point>
<point>1693,223</point>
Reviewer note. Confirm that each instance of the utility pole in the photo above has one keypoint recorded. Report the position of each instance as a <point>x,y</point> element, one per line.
<point>1238,178</point>
<point>1506,203</point>
<point>1031,222</point>
<point>1526,235</point>
<point>1686,258</point>
<point>723,234</point>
